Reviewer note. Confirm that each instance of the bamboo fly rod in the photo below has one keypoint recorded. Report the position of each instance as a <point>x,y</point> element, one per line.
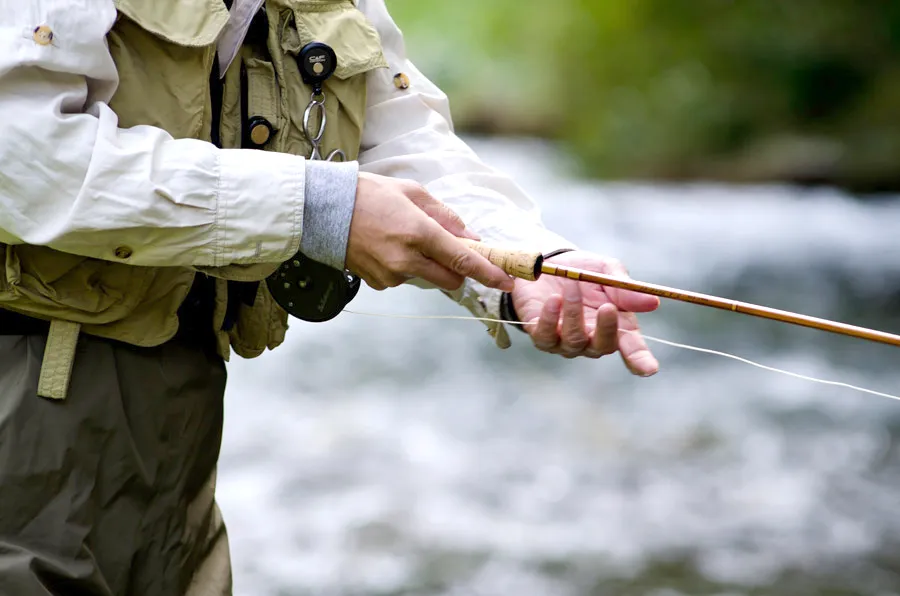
<point>531,265</point>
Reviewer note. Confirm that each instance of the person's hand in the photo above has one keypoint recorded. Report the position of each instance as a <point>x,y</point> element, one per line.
<point>399,231</point>
<point>574,318</point>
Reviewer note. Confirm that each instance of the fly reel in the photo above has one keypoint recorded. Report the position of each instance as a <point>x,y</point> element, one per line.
<point>312,291</point>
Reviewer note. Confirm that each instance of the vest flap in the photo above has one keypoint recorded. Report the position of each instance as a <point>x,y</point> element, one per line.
<point>343,27</point>
<point>182,22</point>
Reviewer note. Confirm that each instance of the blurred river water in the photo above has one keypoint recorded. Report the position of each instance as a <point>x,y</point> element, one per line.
<point>375,456</point>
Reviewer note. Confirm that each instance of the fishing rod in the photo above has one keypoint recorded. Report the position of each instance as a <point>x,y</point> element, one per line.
<point>531,265</point>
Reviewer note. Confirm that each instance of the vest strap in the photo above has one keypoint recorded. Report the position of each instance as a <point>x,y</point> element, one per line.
<point>59,356</point>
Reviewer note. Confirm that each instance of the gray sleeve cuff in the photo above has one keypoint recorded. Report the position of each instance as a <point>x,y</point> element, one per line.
<point>327,210</point>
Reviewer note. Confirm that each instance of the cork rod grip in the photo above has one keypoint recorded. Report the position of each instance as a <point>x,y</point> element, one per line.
<point>524,265</point>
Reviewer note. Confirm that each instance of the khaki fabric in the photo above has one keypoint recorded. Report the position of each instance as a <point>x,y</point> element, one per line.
<point>164,51</point>
<point>277,92</point>
<point>110,492</point>
<point>342,26</point>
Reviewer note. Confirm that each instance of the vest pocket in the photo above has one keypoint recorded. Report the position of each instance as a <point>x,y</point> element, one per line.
<point>163,51</point>
<point>340,25</point>
<point>190,23</point>
<point>346,30</point>
<point>43,281</point>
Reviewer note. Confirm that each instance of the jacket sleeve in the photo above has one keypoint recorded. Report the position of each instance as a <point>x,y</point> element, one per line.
<point>409,134</point>
<point>71,179</point>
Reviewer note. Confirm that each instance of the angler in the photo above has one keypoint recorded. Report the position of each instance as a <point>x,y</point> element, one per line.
<point>178,177</point>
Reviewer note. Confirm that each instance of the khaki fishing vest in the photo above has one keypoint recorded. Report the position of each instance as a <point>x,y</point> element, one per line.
<point>164,51</point>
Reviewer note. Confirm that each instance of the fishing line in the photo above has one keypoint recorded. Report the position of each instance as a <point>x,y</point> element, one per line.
<point>652,339</point>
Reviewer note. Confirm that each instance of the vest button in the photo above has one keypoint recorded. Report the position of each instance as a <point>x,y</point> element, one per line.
<point>123,252</point>
<point>259,131</point>
<point>401,81</point>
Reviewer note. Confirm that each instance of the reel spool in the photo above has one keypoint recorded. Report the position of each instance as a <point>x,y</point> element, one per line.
<point>312,291</point>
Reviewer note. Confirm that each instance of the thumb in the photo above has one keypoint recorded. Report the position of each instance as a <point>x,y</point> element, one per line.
<point>441,213</point>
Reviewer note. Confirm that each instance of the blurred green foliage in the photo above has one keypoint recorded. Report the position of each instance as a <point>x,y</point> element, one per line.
<point>803,91</point>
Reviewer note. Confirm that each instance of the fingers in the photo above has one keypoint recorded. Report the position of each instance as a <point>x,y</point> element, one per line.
<point>572,333</point>
<point>446,250</point>
<point>605,338</point>
<point>407,265</point>
<point>624,299</point>
<point>397,226</point>
<point>545,334</point>
<point>438,211</point>
<point>440,276</point>
<point>633,348</point>
<point>561,329</point>
<point>571,328</point>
